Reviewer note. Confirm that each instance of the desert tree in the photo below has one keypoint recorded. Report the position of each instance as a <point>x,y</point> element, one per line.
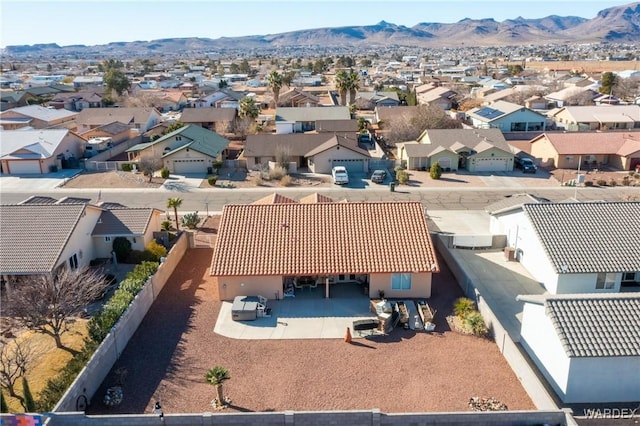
<point>608,82</point>
<point>274,82</point>
<point>283,156</point>
<point>341,83</point>
<point>409,127</point>
<point>149,165</point>
<point>46,303</point>
<point>216,376</point>
<point>247,108</point>
<point>174,203</point>
<point>353,85</point>
<point>15,357</point>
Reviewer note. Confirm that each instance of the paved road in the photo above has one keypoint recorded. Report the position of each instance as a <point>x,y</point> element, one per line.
<point>432,198</point>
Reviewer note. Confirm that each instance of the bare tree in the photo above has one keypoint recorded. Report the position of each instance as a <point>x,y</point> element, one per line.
<point>46,303</point>
<point>409,127</point>
<point>15,357</point>
<point>149,165</point>
<point>283,156</point>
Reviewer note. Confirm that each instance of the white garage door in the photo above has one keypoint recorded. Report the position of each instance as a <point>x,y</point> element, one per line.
<point>24,167</point>
<point>491,164</point>
<point>354,166</point>
<point>192,165</point>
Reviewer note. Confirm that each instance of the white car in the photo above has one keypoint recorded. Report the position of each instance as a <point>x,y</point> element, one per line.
<point>340,175</point>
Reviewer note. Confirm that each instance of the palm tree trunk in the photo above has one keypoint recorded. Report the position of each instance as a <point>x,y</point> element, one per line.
<point>175,211</point>
<point>220,393</point>
<point>343,97</point>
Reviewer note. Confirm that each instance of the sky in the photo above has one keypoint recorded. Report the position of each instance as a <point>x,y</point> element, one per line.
<point>92,22</point>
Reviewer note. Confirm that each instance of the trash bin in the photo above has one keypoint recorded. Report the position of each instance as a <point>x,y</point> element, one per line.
<point>392,187</point>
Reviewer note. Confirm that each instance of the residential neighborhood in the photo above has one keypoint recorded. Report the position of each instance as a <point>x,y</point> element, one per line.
<point>450,231</point>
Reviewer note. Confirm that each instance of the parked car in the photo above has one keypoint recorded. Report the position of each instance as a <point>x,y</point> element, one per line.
<point>378,176</point>
<point>525,164</point>
<point>340,175</point>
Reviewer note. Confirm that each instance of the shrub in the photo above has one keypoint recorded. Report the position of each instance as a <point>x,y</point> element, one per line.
<point>601,182</point>
<point>588,183</point>
<point>212,180</point>
<point>475,323</point>
<point>402,176</point>
<point>165,173</point>
<point>138,256</point>
<point>435,171</point>
<point>156,250</point>
<point>259,181</point>
<point>126,167</point>
<point>286,180</point>
<point>122,247</point>
<point>217,165</point>
<point>29,403</point>
<point>613,182</point>
<point>463,306</point>
<point>277,173</point>
<point>191,220</point>
<point>626,181</point>
<point>166,225</point>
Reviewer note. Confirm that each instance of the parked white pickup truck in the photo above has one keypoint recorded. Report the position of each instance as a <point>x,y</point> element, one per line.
<point>340,175</point>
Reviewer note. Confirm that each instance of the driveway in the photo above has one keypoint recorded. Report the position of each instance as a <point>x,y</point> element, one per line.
<point>36,182</point>
<point>183,183</point>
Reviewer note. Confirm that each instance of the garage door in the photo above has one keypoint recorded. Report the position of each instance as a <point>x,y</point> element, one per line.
<point>491,164</point>
<point>24,167</point>
<point>353,166</point>
<point>192,165</point>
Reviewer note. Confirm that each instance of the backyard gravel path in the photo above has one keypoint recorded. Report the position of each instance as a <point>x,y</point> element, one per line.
<point>170,353</point>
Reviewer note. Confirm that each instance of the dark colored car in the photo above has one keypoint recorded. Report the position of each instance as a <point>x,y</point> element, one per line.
<point>379,176</point>
<point>525,164</point>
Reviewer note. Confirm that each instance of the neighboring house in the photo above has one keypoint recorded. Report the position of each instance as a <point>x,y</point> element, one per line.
<point>297,98</point>
<point>220,98</point>
<point>38,151</point>
<point>587,346</point>
<point>371,100</point>
<point>300,120</point>
<point>82,81</point>
<point>481,150</point>
<point>574,247</point>
<point>337,126</point>
<point>165,100</point>
<point>77,101</point>
<point>332,242</point>
<point>215,119</point>
<point>586,150</point>
<point>506,116</point>
<point>76,233</point>
<point>583,118</point>
<point>139,118</point>
<point>318,152</point>
<point>10,99</point>
<point>387,114</point>
<point>189,149</point>
<point>118,132</point>
<point>519,91</point>
<point>572,94</point>
<point>37,117</point>
<point>441,96</point>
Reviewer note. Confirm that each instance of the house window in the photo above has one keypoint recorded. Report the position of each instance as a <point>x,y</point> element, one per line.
<point>401,281</point>
<point>178,138</point>
<point>569,158</point>
<point>628,277</point>
<point>73,262</point>
<point>605,280</point>
<point>134,240</point>
<point>107,239</point>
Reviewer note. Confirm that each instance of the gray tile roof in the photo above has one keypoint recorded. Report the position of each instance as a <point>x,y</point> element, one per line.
<point>297,114</point>
<point>265,144</point>
<point>206,115</point>
<point>32,236</point>
<point>513,202</point>
<point>597,325</point>
<point>129,221</point>
<point>39,199</point>
<point>588,237</point>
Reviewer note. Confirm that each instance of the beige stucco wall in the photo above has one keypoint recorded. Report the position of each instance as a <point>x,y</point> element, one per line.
<point>322,161</point>
<point>158,149</point>
<point>420,286</point>
<point>183,155</point>
<point>545,153</point>
<point>266,286</point>
<point>453,158</point>
<point>80,241</point>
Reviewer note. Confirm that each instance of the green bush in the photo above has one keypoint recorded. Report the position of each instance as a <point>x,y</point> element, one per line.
<point>165,173</point>
<point>166,225</point>
<point>138,256</point>
<point>602,182</point>
<point>613,182</point>
<point>475,323</point>
<point>626,181</point>
<point>402,176</point>
<point>122,247</point>
<point>217,165</point>
<point>588,183</point>
<point>191,220</point>
<point>156,250</point>
<point>435,171</point>
<point>463,306</point>
<point>212,180</point>
<point>126,167</point>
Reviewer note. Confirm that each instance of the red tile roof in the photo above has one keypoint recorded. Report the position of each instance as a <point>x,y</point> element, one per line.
<point>323,238</point>
<point>592,142</point>
<point>275,199</point>
<point>316,198</point>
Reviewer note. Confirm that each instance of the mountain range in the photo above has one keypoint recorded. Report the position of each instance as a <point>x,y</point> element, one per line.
<point>620,24</point>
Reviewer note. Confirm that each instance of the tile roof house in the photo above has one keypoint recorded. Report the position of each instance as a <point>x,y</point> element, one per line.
<point>587,346</point>
<point>575,247</point>
<point>139,118</point>
<point>441,96</point>
<point>118,132</point>
<point>42,234</point>
<point>616,150</point>
<point>261,246</point>
<point>189,149</point>
<point>603,117</point>
<point>371,100</point>
<point>506,116</point>
<point>295,97</point>
<point>476,150</point>
<point>77,101</point>
<point>37,117</point>
<point>319,152</point>
<point>386,113</point>
<point>300,120</point>
<point>219,98</point>
<point>215,119</point>
<point>38,151</point>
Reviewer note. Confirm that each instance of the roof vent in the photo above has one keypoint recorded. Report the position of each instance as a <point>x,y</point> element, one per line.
<point>564,268</point>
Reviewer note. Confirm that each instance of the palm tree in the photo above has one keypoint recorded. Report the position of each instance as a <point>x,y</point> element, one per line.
<point>353,85</point>
<point>217,376</point>
<point>274,82</point>
<point>247,108</point>
<point>175,203</point>
<point>342,85</point>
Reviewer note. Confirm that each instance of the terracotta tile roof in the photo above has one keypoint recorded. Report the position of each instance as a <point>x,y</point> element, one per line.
<point>594,325</point>
<point>316,198</point>
<point>275,199</point>
<point>588,237</point>
<point>32,236</point>
<point>128,221</point>
<point>592,142</point>
<point>323,238</point>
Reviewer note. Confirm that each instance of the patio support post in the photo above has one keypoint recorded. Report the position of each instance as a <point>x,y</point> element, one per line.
<point>326,286</point>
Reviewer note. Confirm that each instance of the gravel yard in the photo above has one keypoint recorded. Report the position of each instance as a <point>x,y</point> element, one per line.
<point>404,371</point>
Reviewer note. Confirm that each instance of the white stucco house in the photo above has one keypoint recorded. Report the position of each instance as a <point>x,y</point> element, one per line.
<point>508,117</point>
<point>587,346</point>
<point>573,247</point>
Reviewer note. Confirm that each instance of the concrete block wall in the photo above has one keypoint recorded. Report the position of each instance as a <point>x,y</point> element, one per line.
<point>96,370</point>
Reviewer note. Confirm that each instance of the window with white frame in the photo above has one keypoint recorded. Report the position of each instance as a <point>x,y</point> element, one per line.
<point>401,281</point>
<point>605,280</point>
